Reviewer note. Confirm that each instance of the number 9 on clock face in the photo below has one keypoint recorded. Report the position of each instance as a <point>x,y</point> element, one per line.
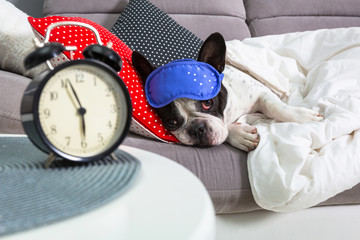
<point>81,110</point>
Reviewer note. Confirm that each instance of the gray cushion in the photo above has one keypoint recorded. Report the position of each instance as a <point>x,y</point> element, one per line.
<point>266,17</point>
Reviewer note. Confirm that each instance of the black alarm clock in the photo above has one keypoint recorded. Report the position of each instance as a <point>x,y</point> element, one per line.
<point>79,110</point>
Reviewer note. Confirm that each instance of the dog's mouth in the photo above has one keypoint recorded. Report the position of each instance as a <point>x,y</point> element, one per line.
<point>201,133</point>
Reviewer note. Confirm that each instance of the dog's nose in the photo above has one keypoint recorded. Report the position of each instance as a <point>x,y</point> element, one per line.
<point>198,130</point>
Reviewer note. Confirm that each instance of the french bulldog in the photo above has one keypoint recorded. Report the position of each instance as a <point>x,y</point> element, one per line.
<point>213,121</point>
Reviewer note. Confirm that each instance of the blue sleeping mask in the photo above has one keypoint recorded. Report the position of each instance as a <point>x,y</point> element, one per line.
<point>185,78</point>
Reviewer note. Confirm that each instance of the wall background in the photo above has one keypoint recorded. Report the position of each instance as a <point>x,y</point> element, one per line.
<point>31,7</point>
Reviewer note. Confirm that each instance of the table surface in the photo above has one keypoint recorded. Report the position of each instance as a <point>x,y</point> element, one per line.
<point>166,201</point>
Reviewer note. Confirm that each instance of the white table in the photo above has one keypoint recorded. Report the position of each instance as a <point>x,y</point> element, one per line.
<point>165,202</point>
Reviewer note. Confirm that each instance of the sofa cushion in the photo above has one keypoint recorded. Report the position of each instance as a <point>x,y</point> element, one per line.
<point>147,29</point>
<point>144,119</point>
<point>223,170</point>
<point>282,16</point>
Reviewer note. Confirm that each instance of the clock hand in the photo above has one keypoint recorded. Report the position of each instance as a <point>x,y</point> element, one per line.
<point>81,110</point>
<point>75,94</point>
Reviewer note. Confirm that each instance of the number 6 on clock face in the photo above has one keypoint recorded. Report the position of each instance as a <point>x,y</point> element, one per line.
<point>81,111</point>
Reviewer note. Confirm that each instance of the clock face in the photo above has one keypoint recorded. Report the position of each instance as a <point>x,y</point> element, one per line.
<point>82,111</point>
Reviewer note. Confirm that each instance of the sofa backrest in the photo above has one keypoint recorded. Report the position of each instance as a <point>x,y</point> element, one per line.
<point>104,12</point>
<point>235,19</point>
<point>202,17</point>
<point>266,17</point>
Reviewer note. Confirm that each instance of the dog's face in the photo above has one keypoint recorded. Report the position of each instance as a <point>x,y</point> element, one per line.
<point>196,122</point>
<point>193,122</point>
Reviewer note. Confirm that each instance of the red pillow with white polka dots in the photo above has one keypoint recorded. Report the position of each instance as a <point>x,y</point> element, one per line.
<point>144,120</point>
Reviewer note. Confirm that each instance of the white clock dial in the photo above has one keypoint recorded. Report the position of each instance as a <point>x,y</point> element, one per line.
<point>82,110</point>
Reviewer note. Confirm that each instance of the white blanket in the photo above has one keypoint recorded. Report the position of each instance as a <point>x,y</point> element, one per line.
<point>297,166</point>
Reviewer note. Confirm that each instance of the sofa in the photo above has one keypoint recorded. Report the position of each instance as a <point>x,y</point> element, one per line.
<point>222,169</point>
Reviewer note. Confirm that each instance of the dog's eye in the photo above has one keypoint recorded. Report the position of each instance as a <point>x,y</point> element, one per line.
<point>172,122</point>
<point>207,104</point>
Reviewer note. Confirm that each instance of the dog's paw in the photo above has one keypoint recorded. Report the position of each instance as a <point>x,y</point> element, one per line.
<point>303,115</point>
<point>243,136</point>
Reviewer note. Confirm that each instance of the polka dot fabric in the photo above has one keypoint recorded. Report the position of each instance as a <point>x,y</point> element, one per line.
<point>145,121</point>
<point>147,29</point>
<point>185,78</point>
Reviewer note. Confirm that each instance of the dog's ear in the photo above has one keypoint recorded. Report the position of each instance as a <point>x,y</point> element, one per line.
<point>142,65</point>
<point>213,51</point>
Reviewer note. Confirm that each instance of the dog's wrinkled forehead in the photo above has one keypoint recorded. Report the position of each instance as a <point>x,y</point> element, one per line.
<point>186,78</point>
<point>186,105</point>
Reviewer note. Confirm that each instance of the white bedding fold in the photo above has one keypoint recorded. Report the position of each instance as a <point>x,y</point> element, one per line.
<point>295,165</point>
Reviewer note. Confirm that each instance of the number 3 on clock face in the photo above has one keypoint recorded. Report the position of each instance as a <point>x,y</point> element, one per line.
<point>81,111</point>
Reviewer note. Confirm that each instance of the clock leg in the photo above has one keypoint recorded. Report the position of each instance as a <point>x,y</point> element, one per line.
<point>113,156</point>
<point>50,160</point>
